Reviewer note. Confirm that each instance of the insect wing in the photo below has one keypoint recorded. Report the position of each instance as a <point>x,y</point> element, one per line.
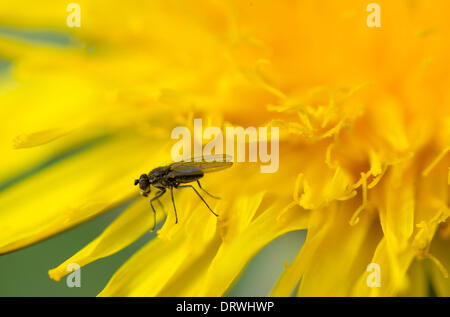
<point>208,164</point>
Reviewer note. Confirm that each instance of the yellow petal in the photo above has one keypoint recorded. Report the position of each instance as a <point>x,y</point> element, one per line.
<point>69,192</point>
<point>417,282</point>
<point>232,257</point>
<point>164,259</point>
<point>440,249</point>
<point>333,255</point>
<point>128,227</point>
<point>393,272</point>
<point>397,206</point>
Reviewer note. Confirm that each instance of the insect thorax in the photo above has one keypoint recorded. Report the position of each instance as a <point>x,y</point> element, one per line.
<point>158,173</point>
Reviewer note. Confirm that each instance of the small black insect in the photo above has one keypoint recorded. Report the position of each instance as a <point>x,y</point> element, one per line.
<point>175,174</point>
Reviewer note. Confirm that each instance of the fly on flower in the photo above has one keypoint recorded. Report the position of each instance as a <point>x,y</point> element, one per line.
<point>175,174</point>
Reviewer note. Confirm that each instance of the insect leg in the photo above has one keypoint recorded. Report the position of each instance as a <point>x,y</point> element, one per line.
<point>158,194</point>
<point>185,186</point>
<point>200,186</point>
<point>174,208</point>
<point>160,205</point>
<point>160,189</point>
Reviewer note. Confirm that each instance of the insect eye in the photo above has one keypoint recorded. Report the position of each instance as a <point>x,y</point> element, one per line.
<point>136,181</point>
<point>144,184</point>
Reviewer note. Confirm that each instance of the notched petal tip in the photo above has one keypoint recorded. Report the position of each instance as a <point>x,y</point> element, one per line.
<point>55,275</point>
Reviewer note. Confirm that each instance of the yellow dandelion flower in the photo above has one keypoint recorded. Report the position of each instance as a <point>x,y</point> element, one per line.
<point>364,118</point>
